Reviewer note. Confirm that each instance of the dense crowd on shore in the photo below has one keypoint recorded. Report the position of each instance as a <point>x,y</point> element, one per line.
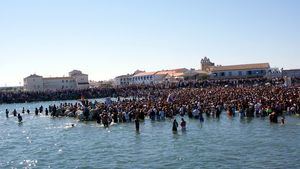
<point>133,90</point>
<point>250,100</point>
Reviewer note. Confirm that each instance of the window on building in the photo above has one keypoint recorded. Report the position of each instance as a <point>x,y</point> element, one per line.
<point>240,73</point>
<point>249,72</point>
<point>222,74</point>
<point>229,73</point>
<point>63,81</point>
<point>67,81</point>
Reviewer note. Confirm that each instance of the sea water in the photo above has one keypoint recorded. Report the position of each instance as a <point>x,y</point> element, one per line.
<point>46,142</point>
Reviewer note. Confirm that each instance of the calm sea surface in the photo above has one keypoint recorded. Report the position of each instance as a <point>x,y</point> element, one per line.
<point>45,142</point>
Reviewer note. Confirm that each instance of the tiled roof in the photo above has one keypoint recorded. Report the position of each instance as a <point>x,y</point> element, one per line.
<point>145,74</point>
<point>173,72</point>
<point>241,67</point>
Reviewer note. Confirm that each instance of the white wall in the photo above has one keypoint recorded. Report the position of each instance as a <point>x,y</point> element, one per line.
<point>82,81</point>
<point>59,84</point>
<point>33,84</point>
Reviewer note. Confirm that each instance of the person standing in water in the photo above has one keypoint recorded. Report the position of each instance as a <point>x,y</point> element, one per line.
<point>36,111</point>
<point>282,120</point>
<point>23,110</point>
<point>201,117</point>
<point>15,112</point>
<point>46,112</point>
<point>175,125</point>
<point>28,111</point>
<point>20,118</point>
<point>183,124</point>
<point>137,124</point>
<point>7,112</point>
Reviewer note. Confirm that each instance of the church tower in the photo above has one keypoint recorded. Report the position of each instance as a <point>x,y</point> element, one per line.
<point>206,64</point>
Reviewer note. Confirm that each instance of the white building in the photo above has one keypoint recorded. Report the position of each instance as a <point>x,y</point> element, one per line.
<point>239,71</point>
<point>122,80</point>
<point>142,77</point>
<point>76,80</point>
<point>34,83</point>
<point>294,73</point>
<point>82,80</point>
<point>234,71</point>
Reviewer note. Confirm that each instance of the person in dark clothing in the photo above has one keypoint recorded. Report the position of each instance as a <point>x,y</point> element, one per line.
<point>41,109</point>
<point>152,115</point>
<point>6,112</point>
<point>86,113</point>
<point>28,111</point>
<point>218,112</point>
<point>54,111</point>
<point>115,117</point>
<point>23,110</point>
<point>201,117</point>
<point>36,111</point>
<point>98,119</point>
<point>15,112</point>
<point>142,115</point>
<point>273,118</point>
<point>175,125</point>
<point>20,118</point>
<point>46,112</point>
<point>137,124</point>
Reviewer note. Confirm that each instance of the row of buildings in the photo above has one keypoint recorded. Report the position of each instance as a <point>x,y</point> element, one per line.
<point>208,70</point>
<point>75,80</point>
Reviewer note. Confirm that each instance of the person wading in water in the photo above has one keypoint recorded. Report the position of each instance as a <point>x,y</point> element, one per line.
<point>137,124</point>
<point>20,118</point>
<point>183,124</point>
<point>7,112</point>
<point>175,125</point>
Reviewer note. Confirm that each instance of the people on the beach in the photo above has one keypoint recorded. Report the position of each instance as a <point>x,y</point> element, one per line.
<point>205,100</point>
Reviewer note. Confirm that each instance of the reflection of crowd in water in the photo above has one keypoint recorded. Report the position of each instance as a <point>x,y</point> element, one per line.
<point>158,103</point>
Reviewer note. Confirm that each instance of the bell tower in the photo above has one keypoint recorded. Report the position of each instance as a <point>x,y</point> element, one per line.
<point>206,64</point>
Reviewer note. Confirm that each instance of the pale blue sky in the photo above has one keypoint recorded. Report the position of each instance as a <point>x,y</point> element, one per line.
<point>114,37</point>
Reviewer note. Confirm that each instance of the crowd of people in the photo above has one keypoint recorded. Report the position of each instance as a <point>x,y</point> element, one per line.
<point>160,102</point>
<point>127,91</point>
